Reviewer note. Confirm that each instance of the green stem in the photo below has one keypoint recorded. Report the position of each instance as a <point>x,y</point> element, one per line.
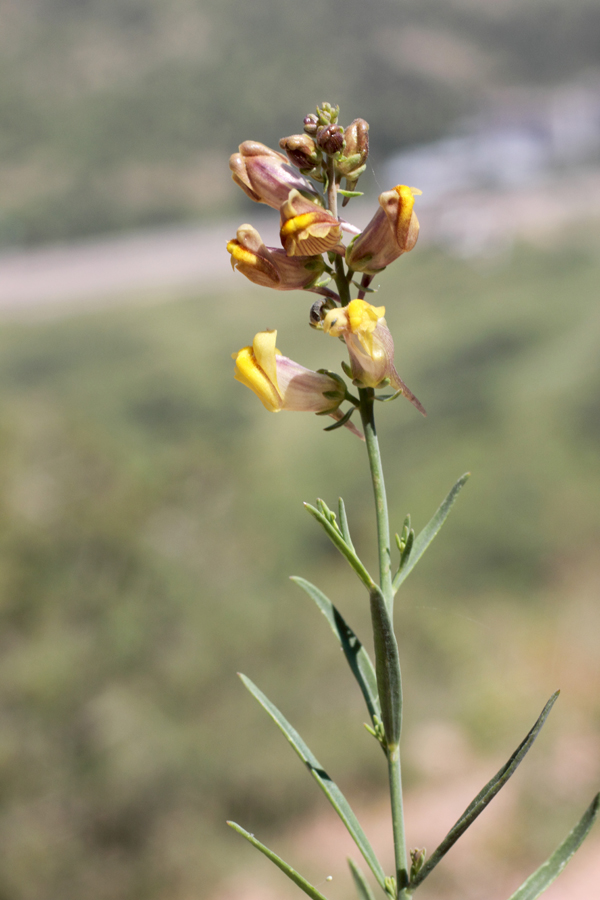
<point>387,647</point>
<point>331,187</point>
<point>383,528</point>
<point>395,778</point>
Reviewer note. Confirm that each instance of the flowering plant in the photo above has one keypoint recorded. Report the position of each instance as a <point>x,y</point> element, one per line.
<point>314,258</point>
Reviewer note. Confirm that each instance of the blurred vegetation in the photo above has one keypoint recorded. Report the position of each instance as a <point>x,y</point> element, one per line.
<point>121,113</point>
<point>151,511</point>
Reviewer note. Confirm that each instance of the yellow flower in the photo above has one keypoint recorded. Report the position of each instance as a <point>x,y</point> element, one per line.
<point>272,267</point>
<point>370,345</point>
<point>307,229</point>
<point>280,383</point>
<point>393,230</point>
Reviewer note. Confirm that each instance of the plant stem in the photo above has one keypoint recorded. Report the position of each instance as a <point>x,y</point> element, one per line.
<point>331,187</point>
<point>383,529</point>
<point>385,573</point>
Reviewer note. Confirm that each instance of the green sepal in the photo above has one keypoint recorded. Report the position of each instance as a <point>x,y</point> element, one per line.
<point>362,885</point>
<point>341,422</point>
<point>336,538</point>
<point>387,668</point>
<point>426,536</point>
<point>486,794</point>
<point>357,657</point>
<point>351,193</point>
<point>291,873</point>
<point>386,398</point>
<point>329,788</point>
<point>537,883</point>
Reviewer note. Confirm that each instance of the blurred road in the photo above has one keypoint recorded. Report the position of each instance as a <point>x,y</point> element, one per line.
<point>72,276</point>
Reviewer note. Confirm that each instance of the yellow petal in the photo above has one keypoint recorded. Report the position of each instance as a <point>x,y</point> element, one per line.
<point>363,317</point>
<point>249,372</point>
<point>265,351</point>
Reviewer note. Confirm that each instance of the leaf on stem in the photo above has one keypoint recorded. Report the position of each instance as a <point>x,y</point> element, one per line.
<point>344,523</point>
<point>362,885</point>
<point>302,883</point>
<point>486,794</point>
<point>357,657</point>
<point>329,788</point>
<point>426,536</point>
<point>537,883</point>
<point>387,667</point>
<point>336,537</point>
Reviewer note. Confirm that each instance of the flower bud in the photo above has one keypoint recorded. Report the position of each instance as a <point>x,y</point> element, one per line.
<point>306,228</point>
<point>301,150</point>
<point>330,138</point>
<point>310,124</point>
<point>280,383</point>
<point>393,230</point>
<point>270,266</point>
<point>370,345</point>
<point>356,149</point>
<point>265,175</point>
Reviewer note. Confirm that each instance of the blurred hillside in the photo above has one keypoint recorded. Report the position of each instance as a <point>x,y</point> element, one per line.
<point>151,511</point>
<point>119,113</point>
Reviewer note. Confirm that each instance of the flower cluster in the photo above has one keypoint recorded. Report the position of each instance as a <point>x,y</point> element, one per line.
<point>304,185</point>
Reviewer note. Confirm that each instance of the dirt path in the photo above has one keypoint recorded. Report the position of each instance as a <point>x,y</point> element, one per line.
<point>70,277</point>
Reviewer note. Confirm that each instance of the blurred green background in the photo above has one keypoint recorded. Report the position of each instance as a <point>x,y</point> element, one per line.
<point>151,510</point>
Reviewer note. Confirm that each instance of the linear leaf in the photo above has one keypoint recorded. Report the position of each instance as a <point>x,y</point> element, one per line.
<point>486,794</point>
<point>337,538</point>
<point>329,788</point>
<point>426,536</point>
<point>357,657</point>
<point>537,883</point>
<point>344,528</point>
<point>306,886</point>
<point>362,885</point>
<point>387,667</point>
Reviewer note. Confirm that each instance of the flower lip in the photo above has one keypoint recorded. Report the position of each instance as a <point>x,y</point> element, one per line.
<point>307,229</point>
<point>271,266</point>
<point>280,383</point>
<point>370,345</point>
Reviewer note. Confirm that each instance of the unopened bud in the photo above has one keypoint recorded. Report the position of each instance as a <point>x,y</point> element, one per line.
<point>417,858</point>
<point>301,150</point>
<point>330,138</point>
<point>310,124</point>
<point>327,113</point>
<point>265,175</point>
<point>356,150</point>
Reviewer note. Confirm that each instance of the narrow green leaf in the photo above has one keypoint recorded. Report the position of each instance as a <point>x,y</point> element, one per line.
<point>344,523</point>
<point>426,536</point>
<point>302,883</point>
<point>350,193</point>
<point>486,794</point>
<point>329,788</point>
<point>341,422</point>
<point>537,883</point>
<point>357,657</point>
<point>387,668</point>
<point>336,538</point>
<point>362,885</point>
